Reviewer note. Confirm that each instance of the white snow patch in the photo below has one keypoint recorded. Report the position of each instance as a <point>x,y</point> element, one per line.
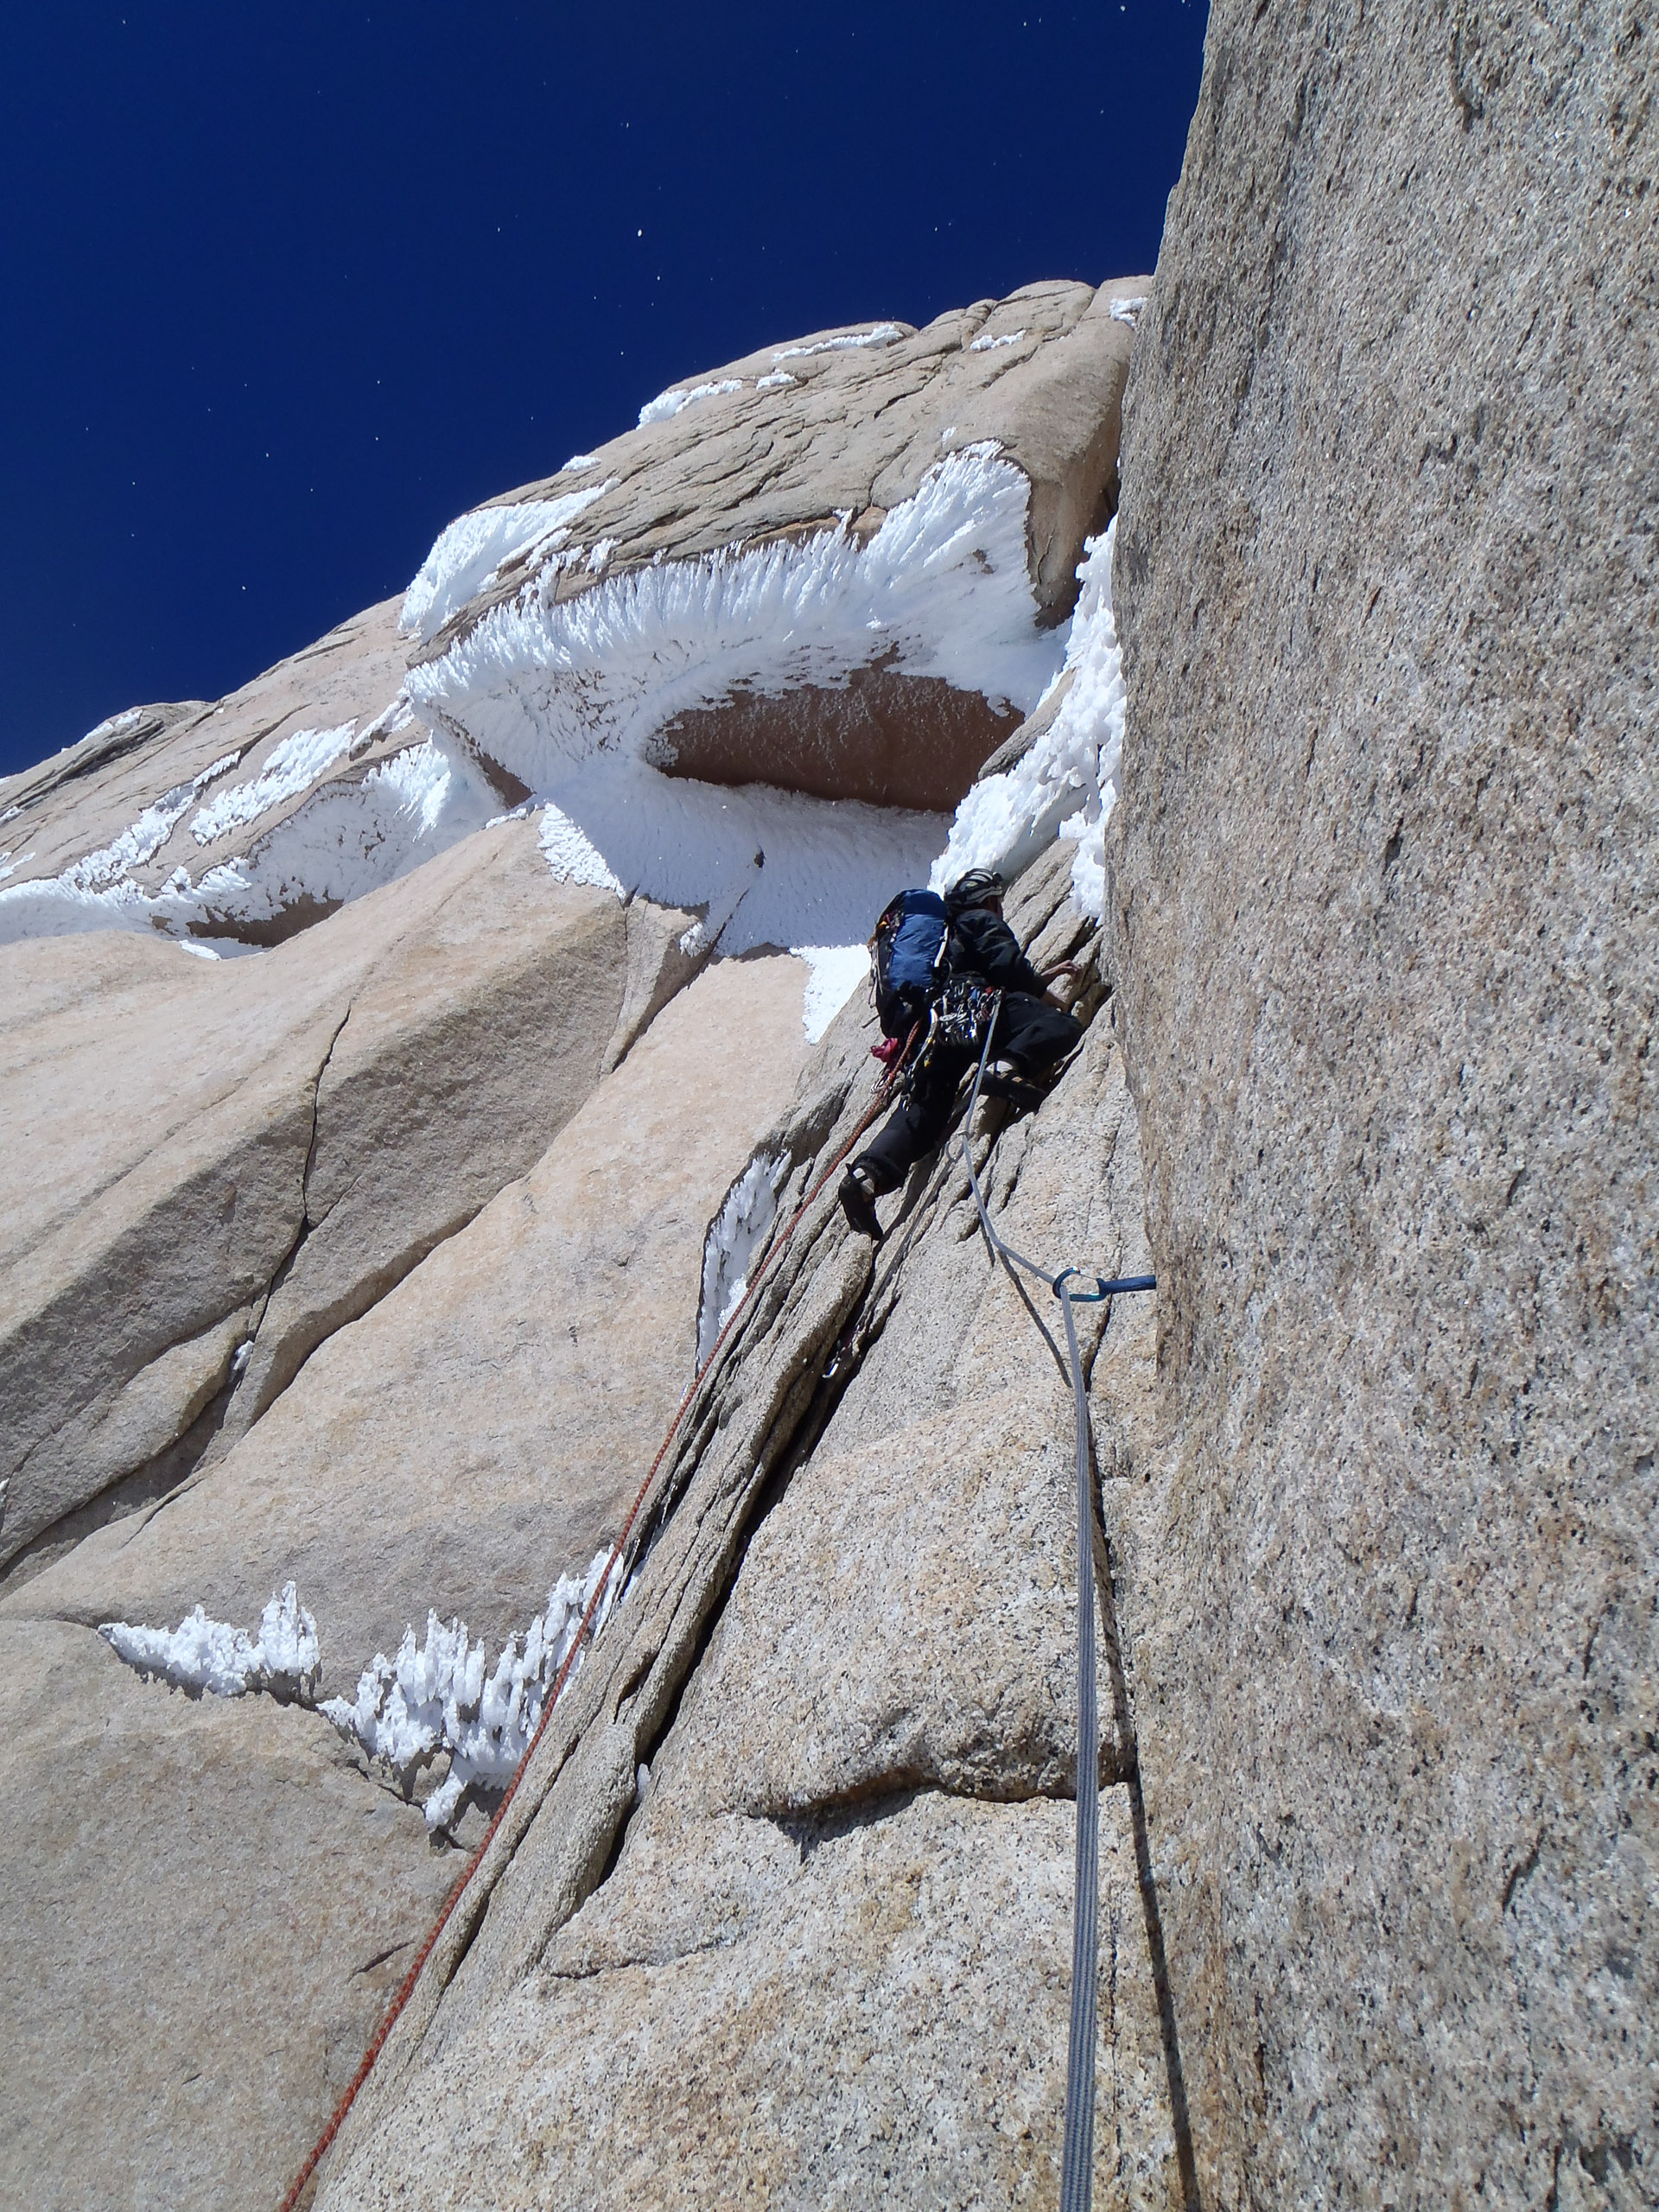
<point>207,1655</point>
<point>437,1697</point>
<point>772,867</point>
<point>102,878</point>
<point>734,1236</point>
<point>572,698</point>
<point>990,345</point>
<point>97,871</point>
<point>467,556</point>
<point>578,461</point>
<point>202,951</point>
<point>289,768</point>
<point>573,857</point>
<point>1127,310</point>
<point>667,405</point>
<point>882,334</point>
<point>1066,785</point>
<point>347,838</point>
<point>776,381</point>
<point>836,972</point>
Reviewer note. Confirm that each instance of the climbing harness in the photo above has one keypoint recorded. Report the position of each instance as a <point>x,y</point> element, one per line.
<point>1077,2158</point>
<point>886,1090</point>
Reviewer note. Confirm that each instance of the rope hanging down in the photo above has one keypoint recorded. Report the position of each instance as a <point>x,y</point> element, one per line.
<point>1077,2156</point>
<point>883,1098</point>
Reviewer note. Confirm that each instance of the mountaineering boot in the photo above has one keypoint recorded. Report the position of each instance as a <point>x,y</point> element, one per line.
<point>1004,1080</point>
<point>858,1197</point>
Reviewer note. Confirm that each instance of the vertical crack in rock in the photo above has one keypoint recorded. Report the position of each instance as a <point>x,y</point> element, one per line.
<point>229,1424</point>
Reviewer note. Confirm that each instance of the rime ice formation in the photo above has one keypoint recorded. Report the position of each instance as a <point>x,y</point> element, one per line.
<point>736,1233</point>
<point>439,1698</point>
<point>865,589</point>
<point>469,555</point>
<point>203,1654</point>
<point>348,838</point>
<point>1066,784</point>
<point>939,589</point>
<point>288,770</point>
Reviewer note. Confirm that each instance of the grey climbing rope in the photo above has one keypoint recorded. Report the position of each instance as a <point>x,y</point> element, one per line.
<point>1077,2158</point>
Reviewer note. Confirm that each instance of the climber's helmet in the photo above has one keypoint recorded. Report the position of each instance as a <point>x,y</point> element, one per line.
<point>981,886</point>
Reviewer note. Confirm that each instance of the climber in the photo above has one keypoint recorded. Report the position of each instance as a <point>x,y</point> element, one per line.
<point>977,956</point>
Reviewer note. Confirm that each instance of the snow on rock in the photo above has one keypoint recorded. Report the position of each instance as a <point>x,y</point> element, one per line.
<point>99,871</point>
<point>668,403</point>
<point>1067,784</point>
<point>437,1697</point>
<point>349,837</point>
<point>883,334</point>
<point>203,1654</point>
<point>289,768</point>
<point>836,972</point>
<point>772,867</point>
<point>736,1234</point>
<point>573,696</point>
<point>939,589</point>
<point>467,555</point>
<point>785,641</point>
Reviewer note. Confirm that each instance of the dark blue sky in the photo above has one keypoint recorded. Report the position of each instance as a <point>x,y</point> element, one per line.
<point>287,287</point>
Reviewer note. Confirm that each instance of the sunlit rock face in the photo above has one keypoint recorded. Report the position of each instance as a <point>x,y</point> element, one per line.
<point>839,569</point>
<point>407,1060</point>
<point>872,529</point>
<point>1383,908</point>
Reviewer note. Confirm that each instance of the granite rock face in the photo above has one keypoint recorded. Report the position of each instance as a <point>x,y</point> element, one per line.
<point>217,1163</point>
<point>1384,910</point>
<point>477,1431</point>
<point>210,1912</point>
<point>372,1249</point>
<point>784,1895</point>
<point>902,509</point>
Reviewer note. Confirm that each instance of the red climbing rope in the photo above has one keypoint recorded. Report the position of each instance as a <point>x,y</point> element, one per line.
<point>883,1096</point>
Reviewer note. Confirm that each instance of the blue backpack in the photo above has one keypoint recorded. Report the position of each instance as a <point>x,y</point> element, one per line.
<point>908,955</point>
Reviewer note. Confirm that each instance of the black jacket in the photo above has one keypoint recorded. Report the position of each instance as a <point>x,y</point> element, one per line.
<point>982,944</point>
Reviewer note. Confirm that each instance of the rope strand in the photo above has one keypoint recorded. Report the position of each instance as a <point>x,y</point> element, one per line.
<point>1078,2155</point>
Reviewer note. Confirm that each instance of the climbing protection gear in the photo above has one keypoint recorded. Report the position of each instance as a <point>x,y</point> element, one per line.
<point>1078,2155</point>
<point>885,1092</point>
<point>907,953</point>
<point>962,1014</point>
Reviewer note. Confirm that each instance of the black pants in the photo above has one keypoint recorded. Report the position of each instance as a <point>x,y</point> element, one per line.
<point>1029,1031</point>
